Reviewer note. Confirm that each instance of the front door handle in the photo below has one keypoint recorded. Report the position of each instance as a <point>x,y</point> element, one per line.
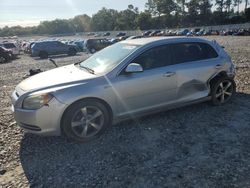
<point>169,74</point>
<point>218,66</point>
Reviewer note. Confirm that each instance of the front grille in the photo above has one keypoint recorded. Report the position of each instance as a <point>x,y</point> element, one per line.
<point>30,127</point>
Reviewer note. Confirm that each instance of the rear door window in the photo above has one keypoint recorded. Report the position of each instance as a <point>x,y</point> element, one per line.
<point>187,52</point>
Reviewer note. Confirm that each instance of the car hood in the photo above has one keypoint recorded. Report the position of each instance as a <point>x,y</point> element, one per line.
<point>55,77</point>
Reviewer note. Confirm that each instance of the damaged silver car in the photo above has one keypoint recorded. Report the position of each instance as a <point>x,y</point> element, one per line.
<point>127,79</point>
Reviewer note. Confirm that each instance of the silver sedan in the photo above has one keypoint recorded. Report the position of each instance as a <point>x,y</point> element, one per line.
<point>127,79</point>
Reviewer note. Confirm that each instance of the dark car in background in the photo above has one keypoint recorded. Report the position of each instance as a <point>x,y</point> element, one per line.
<point>45,48</point>
<point>79,45</point>
<point>121,34</point>
<point>154,33</point>
<point>94,45</point>
<point>5,55</point>
<point>147,33</point>
<point>182,32</point>
<point>106,34</point>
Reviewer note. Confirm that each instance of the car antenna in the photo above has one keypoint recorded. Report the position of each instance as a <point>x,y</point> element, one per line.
<point>53,61</point>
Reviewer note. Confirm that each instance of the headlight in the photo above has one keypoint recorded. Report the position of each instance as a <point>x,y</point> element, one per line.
<point>34,102</point>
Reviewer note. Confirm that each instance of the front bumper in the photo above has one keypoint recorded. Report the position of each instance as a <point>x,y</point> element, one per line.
<point>44,121</point>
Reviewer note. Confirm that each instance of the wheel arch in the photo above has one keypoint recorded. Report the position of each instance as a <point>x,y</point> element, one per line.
<point>214,78</point>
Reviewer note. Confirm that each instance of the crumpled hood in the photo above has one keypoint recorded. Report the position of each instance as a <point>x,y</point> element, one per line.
<point>59,76</point>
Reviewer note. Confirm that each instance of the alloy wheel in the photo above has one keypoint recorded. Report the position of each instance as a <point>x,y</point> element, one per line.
<point>224,91</point>
<point>87,121</point>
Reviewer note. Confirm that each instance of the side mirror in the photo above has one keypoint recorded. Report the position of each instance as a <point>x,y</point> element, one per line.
<point>133,68</point>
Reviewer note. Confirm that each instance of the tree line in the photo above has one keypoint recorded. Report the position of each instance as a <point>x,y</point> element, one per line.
<point>158,14</point>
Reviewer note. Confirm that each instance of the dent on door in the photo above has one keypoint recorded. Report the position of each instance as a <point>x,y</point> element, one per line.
<point>192,81</point>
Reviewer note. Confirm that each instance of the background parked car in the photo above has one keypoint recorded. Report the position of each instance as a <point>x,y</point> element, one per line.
<point>146,33</point>
<point>106,34</point>
<point>94,45</point>
<point>114,40</point>
<point>5,55</point>
<point>46,48</point>
<point>80,45</point>
<point>154,33</point>
<point>133,37</point>
<point>121,34</point>
<point>11,46</point>
<point>182,32</point>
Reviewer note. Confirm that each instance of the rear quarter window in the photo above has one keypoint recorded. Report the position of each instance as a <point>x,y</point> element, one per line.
<point>209,51</point>
<point>192,51</point>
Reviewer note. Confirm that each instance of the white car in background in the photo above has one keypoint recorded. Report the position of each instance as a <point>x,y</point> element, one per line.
<point>11,46</point>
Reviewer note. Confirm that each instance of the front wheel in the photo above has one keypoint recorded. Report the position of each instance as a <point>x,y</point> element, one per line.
<point>3,60</point>
<point>85,120</point>
<point>223,91</point>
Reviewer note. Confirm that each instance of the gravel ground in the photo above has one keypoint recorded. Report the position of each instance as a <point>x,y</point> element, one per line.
<point>195,146</point>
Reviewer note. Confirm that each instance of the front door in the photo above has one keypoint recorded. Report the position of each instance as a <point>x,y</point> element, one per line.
<point>154,87</point>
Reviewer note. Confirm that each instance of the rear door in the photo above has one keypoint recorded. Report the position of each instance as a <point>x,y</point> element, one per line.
<point>154,87</point>
<point>195,64</point>
<point>61,48</point>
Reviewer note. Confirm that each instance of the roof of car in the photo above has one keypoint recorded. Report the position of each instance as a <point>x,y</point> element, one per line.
<point>144,41</point>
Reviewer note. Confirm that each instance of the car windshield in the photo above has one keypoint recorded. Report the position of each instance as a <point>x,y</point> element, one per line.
<point>9,45</point>
<point>108,58</point>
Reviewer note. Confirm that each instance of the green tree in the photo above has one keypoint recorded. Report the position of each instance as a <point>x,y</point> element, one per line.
<point>237,4</point>
<point>182,4</point>
<point>220,5</point>
<point>81,23</point>
<point>205,7</point>
<point>247,14</point>
<point>104,20</point>
<point>144,21</point>
<point>161,7</point>
<point>228,4</point>
<point>246,4</point>
<point>126,19</point>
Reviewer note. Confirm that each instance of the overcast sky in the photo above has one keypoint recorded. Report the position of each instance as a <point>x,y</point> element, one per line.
<point>31,12</point>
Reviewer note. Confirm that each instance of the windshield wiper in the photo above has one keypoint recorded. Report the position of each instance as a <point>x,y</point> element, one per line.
<point>88,69</point>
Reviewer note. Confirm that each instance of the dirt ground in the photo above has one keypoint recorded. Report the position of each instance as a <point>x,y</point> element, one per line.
<point>195,146</point>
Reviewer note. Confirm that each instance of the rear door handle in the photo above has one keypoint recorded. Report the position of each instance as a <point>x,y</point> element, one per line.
<point>218,66</point>
<point>169,74</point>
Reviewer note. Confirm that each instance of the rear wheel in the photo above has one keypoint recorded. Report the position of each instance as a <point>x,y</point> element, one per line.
<point>72,52</point>
<point>43,55</point>
<point>92,50</point>
<point>223,91</point>
<point>85,120</point>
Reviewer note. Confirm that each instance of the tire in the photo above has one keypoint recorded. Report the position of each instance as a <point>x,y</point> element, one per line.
<point>3,60</point>
<point>92,50</point>
<point>72,52</point>
<point>77,127</point>
<point>222,91</point>
<point>43,55</point>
